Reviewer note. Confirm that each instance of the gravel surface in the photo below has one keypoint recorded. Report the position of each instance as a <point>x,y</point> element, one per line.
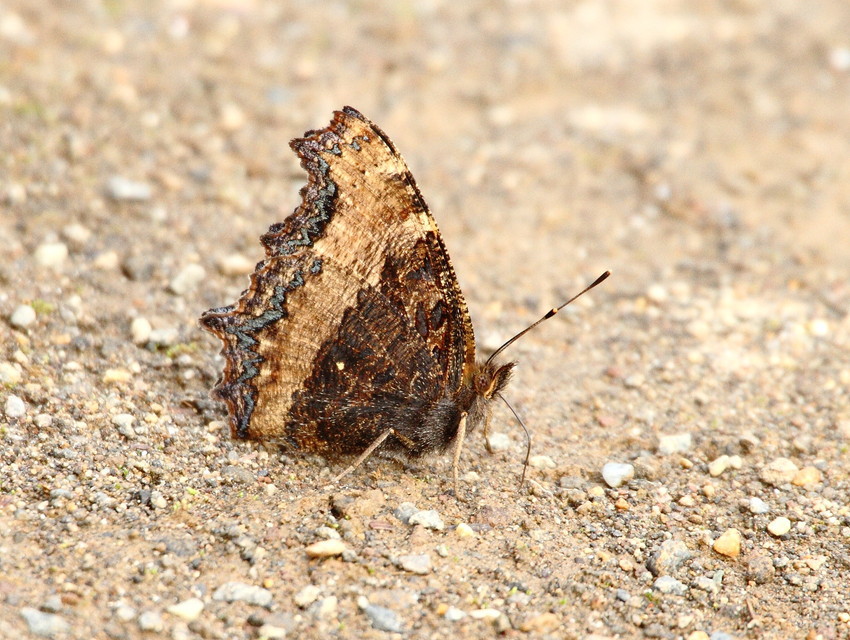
<point>690,418</point>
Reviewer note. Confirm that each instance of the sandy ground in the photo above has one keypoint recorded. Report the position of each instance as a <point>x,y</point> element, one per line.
<point>699,150</point>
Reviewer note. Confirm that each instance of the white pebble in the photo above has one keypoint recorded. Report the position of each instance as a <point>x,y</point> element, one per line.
<point>541,462</point>
<point>9,373</point>
<point>140,329</point>
<point>15,407</point>
<point>307,596</point>
<point>76,233</point>
<point>187,610</point>
<point>51,254</point>
<point>617,473</point>
<point>23,316</point>
<point>236,264</point>
<point>758,506</point>
<point>657,293</point>
<point>123,420</point>
<point>187,279</point>
<point>779,526</point>
<point>674,443</point>
<point>120,188</point>
<point>498,442</point>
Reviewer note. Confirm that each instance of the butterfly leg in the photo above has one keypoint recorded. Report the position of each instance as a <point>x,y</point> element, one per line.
<point>459,438</point>
<point>486,433</point>
<point>371,448</point>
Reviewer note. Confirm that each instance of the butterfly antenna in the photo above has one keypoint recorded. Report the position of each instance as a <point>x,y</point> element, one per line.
<point>548,315</point>
<point>527,438</point>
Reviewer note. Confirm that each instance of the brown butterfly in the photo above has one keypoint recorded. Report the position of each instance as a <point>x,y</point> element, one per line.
<point>354,334</point>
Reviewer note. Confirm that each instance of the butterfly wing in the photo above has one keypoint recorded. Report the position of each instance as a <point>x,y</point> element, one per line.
<point>354,321</point>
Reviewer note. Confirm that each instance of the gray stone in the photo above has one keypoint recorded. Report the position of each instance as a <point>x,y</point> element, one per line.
<point>758,506</point>
<point>669,585</point>
<point>669,556</point>
<point>419,563</point>
<point>241,592</point>
<point>384,619</point>
<point>404,511</point>
<point>238,475</point>
<point>151,621</point>
<point>44,624</point>
<point>430,519</point>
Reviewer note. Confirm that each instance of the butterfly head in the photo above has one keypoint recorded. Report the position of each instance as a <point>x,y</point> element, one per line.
<point>490,378</point>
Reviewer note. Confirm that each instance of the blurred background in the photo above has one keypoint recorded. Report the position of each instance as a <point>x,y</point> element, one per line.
<point>698,149</point>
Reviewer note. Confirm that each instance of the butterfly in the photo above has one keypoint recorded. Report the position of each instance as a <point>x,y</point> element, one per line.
<point>354,335</point>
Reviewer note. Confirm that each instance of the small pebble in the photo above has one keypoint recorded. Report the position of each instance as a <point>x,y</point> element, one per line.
<point>123,420</point>
<point>140,330</point>
<point>325,548</point>
<point>671,555</point>
<point>778,472</point>
<point>241,592</point>
<point>52,604</point>
<point>485,614</point>
<point>236,264</point>
<point>760,568</point>
<point>187,279</point>
<point>121,188</point>
<point>463,530</point>
<point>326,608</point>
<point>187,610</point>
<point>807,477</point>
<point>75,233</point>
<point>779,526</point>
<point>384,619</point>
<point>729,543</point>
<point>453,614</point>
<point>718,465</point>
<point>758,506</point>
<point>307,596</point>
<point>150,621</point>
<point>616,474</point>
<point>674,443</point>
<point>111,376</point>
<point>419,563</point>
<point>14,407</point>
<point>23,316</point>
<point>271,632</point>
<point>668,584</point>
<point>51,254</point>
<point>44,624</point>
<point>541,462</point>
<point>429,518</point>
<point>499,442</point>
<point>10,374</point>
<point>404,511</point>
<point>232,117</point>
